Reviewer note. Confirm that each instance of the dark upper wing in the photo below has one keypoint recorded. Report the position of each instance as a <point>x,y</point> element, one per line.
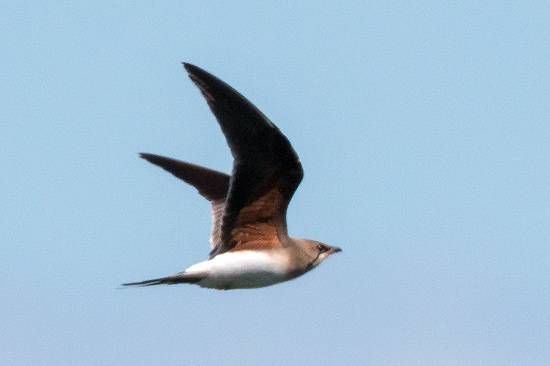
<point>211,184</point>
<point>266,170</point>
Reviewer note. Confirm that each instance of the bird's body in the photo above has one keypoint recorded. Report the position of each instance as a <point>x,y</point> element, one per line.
<point>250,244</point>
<point>240,269</point>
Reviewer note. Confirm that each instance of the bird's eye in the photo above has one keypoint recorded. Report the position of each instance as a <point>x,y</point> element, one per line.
<point>321,248</point>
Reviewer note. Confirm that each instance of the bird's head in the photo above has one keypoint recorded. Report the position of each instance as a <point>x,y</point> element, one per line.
<point>316,251</point>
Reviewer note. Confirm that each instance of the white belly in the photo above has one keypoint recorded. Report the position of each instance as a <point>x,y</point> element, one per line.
<point>242,269</point>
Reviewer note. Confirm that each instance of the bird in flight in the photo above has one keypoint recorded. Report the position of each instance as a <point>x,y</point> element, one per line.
<point>250,244</point>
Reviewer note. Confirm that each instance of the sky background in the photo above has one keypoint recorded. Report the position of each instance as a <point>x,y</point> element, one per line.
<point>424,131</point>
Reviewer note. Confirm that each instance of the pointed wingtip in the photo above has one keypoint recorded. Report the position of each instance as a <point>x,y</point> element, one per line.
<point>190,68</point>
<point>152,158</point>
<point>202,77</point>
<point>145,156</point>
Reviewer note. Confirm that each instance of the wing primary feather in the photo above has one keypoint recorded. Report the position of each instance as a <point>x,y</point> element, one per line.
<point>211,184</point>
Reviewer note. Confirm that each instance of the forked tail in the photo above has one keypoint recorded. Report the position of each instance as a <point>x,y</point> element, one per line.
<point>170,280</point>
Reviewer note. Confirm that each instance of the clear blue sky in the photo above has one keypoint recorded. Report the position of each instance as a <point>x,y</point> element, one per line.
<point>424,131</point>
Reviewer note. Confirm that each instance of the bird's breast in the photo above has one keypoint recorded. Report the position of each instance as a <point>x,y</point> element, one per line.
<point>241,269</point>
